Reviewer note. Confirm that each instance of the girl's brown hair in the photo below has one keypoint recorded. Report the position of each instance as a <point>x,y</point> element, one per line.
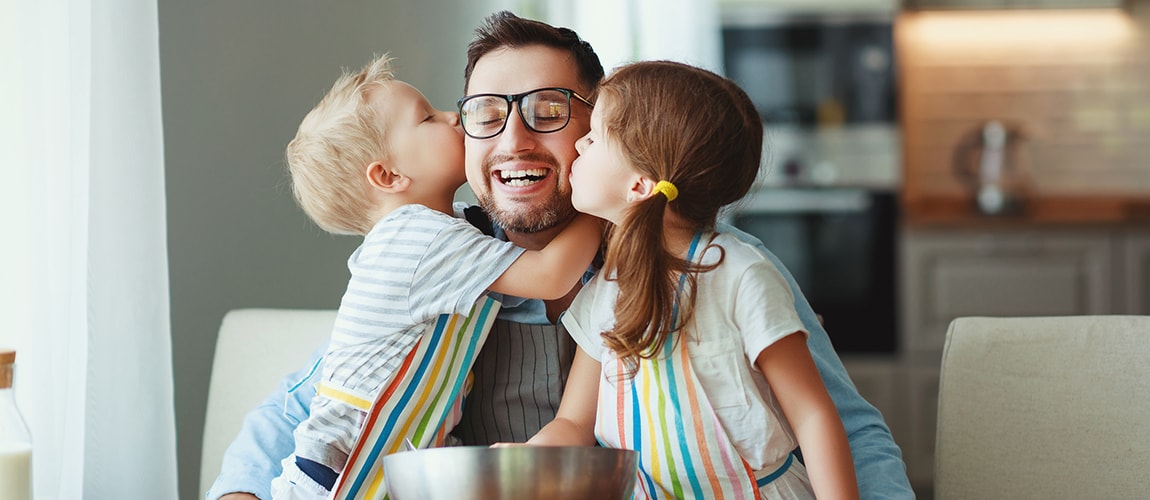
<point>700,132</point>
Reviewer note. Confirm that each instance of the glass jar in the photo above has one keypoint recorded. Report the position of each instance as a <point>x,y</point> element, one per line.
<point>15,441</point>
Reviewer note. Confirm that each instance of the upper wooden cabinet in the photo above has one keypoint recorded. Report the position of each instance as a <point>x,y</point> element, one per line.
<point>1012,4</point>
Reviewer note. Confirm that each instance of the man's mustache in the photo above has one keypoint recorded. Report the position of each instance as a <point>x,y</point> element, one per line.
<point>533,157</point>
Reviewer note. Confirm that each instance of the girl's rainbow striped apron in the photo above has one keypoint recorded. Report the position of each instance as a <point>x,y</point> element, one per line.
<point>416,404</point>
<point>663,413</point>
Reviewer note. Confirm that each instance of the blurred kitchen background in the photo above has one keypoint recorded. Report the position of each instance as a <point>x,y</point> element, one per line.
<point>925,159</point>
<point>943,158</point>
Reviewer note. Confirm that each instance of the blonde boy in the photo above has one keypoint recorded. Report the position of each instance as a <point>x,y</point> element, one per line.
<point>374,158</point>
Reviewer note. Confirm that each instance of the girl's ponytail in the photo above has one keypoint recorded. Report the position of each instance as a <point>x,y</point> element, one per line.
<point>648,278</point>
<point>700,133</point>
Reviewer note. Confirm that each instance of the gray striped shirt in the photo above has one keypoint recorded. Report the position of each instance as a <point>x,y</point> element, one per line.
<point>519,379</point>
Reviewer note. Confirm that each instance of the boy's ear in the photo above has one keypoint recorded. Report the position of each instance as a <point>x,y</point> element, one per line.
<point>387,179</point>
<point>641,188</point>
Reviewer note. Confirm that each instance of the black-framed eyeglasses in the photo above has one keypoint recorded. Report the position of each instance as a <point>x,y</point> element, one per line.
<point>542,110</point>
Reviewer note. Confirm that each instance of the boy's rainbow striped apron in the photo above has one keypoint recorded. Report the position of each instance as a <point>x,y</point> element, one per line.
<point>663,413</point>
<point>416,404</point>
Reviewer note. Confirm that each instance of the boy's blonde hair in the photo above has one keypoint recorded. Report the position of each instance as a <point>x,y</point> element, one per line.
<point>332,148</point>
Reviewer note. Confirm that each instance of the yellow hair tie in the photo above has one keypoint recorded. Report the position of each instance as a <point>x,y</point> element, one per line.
<point>669,190</point>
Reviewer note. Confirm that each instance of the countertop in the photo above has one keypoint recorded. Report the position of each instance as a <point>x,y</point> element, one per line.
<point>1094,210</point>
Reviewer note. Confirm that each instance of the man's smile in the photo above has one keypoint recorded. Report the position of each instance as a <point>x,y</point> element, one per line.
<point>522,178</point>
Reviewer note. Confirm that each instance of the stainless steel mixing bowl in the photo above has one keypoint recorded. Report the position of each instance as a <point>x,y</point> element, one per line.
<point>520,472</point>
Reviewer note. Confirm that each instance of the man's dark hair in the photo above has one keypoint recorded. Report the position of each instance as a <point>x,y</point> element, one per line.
<point>504,29</point>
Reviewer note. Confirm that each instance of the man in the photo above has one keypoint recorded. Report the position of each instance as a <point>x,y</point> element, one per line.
<point>520,177</point>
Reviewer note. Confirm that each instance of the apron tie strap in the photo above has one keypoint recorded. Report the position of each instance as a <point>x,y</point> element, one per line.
<point>767,479</point>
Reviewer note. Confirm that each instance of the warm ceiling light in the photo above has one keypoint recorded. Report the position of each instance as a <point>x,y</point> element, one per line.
<point>987,29</point>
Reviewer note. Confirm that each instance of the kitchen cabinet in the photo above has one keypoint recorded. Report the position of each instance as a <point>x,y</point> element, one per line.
<point>1007,271</point>
<point>882,381</point>
<point>947,273</point>
<point>876,379</point>
<point>917,438</point>
<point>1010,4</point>
<point>1136,272</point>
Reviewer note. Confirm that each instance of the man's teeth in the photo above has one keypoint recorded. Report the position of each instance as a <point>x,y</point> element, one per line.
<point>522,177</point>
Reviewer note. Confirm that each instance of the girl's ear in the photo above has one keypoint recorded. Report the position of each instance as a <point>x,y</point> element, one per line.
<point>641,188</point>
<point>384,178</point>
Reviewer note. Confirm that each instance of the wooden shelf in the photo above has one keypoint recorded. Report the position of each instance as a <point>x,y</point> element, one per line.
<point>1062,210</point>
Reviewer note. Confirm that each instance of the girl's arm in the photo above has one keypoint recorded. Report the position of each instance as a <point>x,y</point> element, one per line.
<point>795,381</point>
<point>574,423</point>
<point>550,273</point>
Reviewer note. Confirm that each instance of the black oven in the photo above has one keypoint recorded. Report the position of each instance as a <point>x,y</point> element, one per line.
<point>840,245</point>
<point>814,70</point>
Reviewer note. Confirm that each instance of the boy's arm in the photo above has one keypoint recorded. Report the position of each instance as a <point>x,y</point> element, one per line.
<point>550,273</point>
<point>878,461</point>
<point>265,438</point>
<point>791,373</point>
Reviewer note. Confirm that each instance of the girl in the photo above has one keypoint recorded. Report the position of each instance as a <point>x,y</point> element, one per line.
<point>691,351</point>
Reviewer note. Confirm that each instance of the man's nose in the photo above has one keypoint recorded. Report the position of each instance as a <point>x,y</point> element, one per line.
<point>516,136</point>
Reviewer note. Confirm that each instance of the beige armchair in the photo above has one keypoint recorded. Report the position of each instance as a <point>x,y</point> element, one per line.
<point>1044,408</point>
<point>255,349</point>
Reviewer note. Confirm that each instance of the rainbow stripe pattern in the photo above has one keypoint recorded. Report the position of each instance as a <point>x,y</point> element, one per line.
<point>419,400</point>
<point>664,414</point>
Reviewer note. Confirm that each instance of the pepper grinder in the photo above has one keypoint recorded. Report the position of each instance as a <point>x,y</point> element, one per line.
<point>992,162</point>
<point>991,199</point>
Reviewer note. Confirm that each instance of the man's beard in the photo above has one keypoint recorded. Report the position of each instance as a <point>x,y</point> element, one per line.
<point>554,211</point>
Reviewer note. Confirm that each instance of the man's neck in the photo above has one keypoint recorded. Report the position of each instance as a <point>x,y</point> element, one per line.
<point>536,241</point>
<point>533,241</point>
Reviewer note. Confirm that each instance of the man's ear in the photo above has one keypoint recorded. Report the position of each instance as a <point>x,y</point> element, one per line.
<point>387,179</point>
<point>641,188</point>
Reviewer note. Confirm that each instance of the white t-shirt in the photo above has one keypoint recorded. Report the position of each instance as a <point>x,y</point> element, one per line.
<point>742,307</point>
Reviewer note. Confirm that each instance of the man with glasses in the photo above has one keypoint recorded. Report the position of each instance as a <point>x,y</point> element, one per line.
<point>529,97</point>
<point>529,94</point>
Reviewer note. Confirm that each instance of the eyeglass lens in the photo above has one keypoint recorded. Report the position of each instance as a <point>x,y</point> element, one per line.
<point>544,110</point>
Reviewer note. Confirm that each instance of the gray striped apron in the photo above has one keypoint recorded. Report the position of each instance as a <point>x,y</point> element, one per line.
<point>519,378</point>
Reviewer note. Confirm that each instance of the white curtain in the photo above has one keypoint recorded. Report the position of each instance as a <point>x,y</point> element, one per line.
<point>84,283</point>
<point>624,31</point>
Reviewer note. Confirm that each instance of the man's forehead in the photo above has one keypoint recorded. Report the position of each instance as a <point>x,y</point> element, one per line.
<point>514,70</point>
